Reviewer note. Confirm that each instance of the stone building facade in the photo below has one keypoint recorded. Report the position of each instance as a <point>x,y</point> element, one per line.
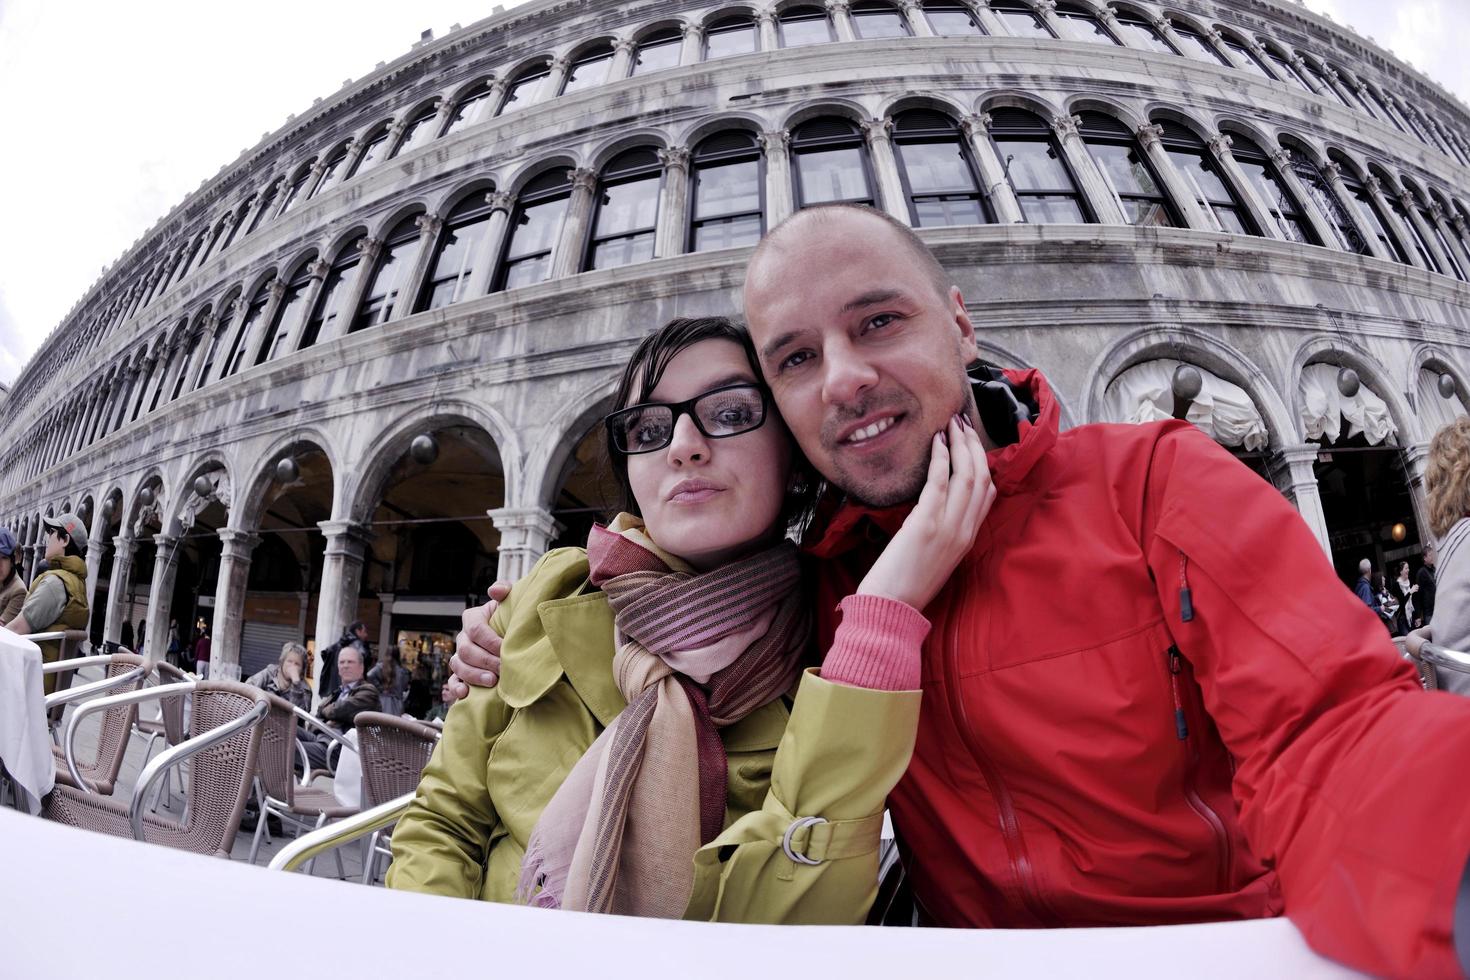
<point>358,374</point>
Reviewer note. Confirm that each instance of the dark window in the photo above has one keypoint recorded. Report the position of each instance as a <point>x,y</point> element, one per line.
<point>1261,171</point>
<point>459,243</point>
<point>221,330</point>
<point>1385,108</point>
<point>626,221</point>
<point>526,88</point>
<point>1285,70</point>
<point>1143,34</point>
<point>219,231</point>
<point>1344,228</point>
<point>872,19</point>
<point>1033,161</point>
<point>1080,24</point>
<point>418,131</point>
<point>1391,192</point>
<point>1320,78</point>
<point>242,214</point>
<point>194,340</point>
<point>1358,92</point>
<point>949,18</point>
<point>730,36</point>
<point>533,230</point>
<point>1020,19</point>
<point>1206,180</point>
<point>658,51</point>
<point>1422,206</point>
<point>289,315</point>
<point>1246,56</point>
<point>1196,46</point>
<point>390,276</point>
<point>1368,214</point>
<point>804,25</point>
<point>163,372</point>
<point>336,163</point>
<point>728,193</point>
<point>938,174</point>
<point>1126,171</point>
<point>831,163</point>
<point>298,184</point>
<point>334,290</point>
<point>253,314</point>
<point>471,109</point>
<point>589,70</point>
<point>372,153</point>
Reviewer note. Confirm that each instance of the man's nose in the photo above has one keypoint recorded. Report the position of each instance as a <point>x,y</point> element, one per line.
<point>847,375</point>
<point>688,444</point>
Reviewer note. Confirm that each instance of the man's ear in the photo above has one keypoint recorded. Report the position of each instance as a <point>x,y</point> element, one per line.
<point>969,350</point>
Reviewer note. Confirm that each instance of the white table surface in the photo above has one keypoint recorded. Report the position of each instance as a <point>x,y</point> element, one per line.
<point>84,905</point>
<point>25,742</point>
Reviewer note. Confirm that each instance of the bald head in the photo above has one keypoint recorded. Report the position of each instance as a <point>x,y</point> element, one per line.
<point>1364,567</point>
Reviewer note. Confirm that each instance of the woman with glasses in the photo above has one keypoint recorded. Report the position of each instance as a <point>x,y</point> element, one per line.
<point>668,738</point>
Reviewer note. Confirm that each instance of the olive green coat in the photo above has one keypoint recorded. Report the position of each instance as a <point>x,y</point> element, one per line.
<point>834,753</point>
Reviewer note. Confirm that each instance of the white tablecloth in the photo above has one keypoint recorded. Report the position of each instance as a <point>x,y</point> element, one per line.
<point>25,743</point>
<point>49,869</point>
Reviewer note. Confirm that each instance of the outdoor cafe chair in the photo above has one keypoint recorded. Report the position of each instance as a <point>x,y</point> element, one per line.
<point>124,672</point>
<point>394,752</point>
<point>168,728</point>
<point>224,740</point>
<point>1441,666</point>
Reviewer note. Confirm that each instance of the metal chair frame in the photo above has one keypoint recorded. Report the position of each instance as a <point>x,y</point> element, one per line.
<point>305,849</point>
<point>1437,658</point>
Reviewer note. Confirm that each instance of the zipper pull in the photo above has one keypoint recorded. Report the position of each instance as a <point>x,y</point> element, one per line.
<point>1186,601</point>
<point>1176,665</point>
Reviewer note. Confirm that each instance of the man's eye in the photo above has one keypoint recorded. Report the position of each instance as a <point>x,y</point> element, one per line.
<point>882,320</point>
<point>794,360</point>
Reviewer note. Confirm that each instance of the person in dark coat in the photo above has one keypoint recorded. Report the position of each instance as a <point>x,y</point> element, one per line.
<point>341,708</point>
<point>356,633</point>
<point>1424,599</point>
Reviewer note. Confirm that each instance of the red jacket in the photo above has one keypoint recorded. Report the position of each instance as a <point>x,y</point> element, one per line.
<point>1089,755</point>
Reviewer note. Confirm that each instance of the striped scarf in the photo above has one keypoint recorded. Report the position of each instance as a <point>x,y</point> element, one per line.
<point>695,652</point>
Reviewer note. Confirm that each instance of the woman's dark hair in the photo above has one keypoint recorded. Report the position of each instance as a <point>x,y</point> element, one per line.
<point>647,366</point>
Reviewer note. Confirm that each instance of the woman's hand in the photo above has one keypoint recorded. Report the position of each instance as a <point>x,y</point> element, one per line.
<point>941,528</point>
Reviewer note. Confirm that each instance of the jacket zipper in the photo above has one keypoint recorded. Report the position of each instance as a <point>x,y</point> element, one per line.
<point>1191,794</point>
<point>1010,829</point>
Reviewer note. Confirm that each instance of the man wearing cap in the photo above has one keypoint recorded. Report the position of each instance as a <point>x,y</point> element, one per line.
<point>12,586</point>
<point>58,596</point>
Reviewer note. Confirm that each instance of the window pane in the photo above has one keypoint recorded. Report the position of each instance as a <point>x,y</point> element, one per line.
<point>935,167</point>
<point>394,267</point>
<point>523,93</point>
<point>1033,165</point>
<point>538,227</point>
<point>1123,167</point>
<point>952,23</point>
<point>417,133</point>
<point>729,188</point>
<point>587,74</point>
<point>1023,24</point>
<point>940,212</point>
<point>1197,47</point>
<point>1044,209</point>
<point>1141,35</point>
<point>371,154</point>
<point>330,174</point>
<point>1145,213</point>
<point>1275,195</point>
<point>1286,71</point>
<point>623,251</point>
<point>1078,27</point>
<point>527,272</point>
<point>657,56</point>
<point>326,306</point>
<point>727,233</point>
<point>1230,220</point>
<point>452,267</point>
<point>287,321</point>
<point>467,113</point>
<point>628,207</point>
<point>727,41</point>
<point>1247,59</point>
<point>1195,167</point>
<point>872,24</point>
<point>832,175</point>
<point>797,31</point>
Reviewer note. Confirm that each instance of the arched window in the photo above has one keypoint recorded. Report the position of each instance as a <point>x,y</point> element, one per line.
<point>804,25</point>
<point>1384,107</point>
<point>831,163</point>
<point>1206,180</point>
<point>334,292</point>
<point>253,313</point>
<point>1020,18</point>
<point>1127,172</point>
<point>533,229</point>
<point>1421,204</point>
<point>332,172</point>
<point>1391,194</point>
<point>221,331</point>
<point>454,254</point>
<point>219,230</point>
<point>938,175</point>
<point>1344,228</point>
<point>1357,91</point>
<point>195,338</point>
<point>873,19</point>
<point>589,70</point>
<point>186,258</point>
<point>472,107</point>
<point>729,184</point>
<point>417,132</point>
<point>1368,214</point>
<point>284,327</point>
<point>1449,212</point>
<point>1196,46</point>
<point>163,368</point>
<point>390,274</point>
<point>297,185</point>
<point>1080,24</point>
<point>242,214</point>
<point>375,146</point>
<point>526,87</point>
<point>731,36</point>
<point>951,18</point>
<point>1028,150</point>
<point>1284,208</point>
<point>1244,55</point>
<point>1320,77</point>
<point>1285,70</point>
<point>626,220</point>
<point>1142,34</point>
<point>658,51</point>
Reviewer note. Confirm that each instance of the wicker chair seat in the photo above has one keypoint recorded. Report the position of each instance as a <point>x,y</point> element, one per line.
<point>105,815</point>
<point>103,782</point>
<point>313,801</point>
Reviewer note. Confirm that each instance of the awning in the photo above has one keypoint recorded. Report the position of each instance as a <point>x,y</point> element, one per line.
<point>1324,409</point>
<point>1435,409</point>
<point>1145,393</point>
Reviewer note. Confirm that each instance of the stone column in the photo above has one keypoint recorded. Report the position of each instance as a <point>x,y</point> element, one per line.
<point>766,23</point>
<point>780,201</point>
<point>99,409</point>
<point>525,534</point>
<point>403,305</point>
<point>1178,189</point>
<point>161,595</point>
<point>229,602</point>
<point>1294,186</point>
<point>889,192</point>
<point>1339,87</point>
<point>913,11</point>
<point>482,265</point>
<point>1047,10</point>
<point>1396,226</point>
<point>1454,233</point>
<point>1431,241</point>
<point>566,256</point>
<point>1291,471</point>
<point>336,604</point>
<point>195,362</point>
<point>1095,188</point>
<point>841,16</point>
<point>255,343</point>
<point>1305,74</point>
<point>318,272</point>
<point>95,553</point>
<point>1345,200</point>
<point>989,21</point>
<point>552,83</point>
<point>673,205</point>
<point>314,182</point>
<point>79,437</point>
<point>158,380</point>
<point>121,419</point>
<point>369,249</point>
<point>1249,193</point>
<point>622,62</point>
<point>1214,37</point>
<point>146,374</point>
<point>1416,461</point>
<point>691,51</point>
<point>123,550</point>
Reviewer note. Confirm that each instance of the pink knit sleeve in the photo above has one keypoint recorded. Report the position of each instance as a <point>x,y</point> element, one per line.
<point>877,646</point>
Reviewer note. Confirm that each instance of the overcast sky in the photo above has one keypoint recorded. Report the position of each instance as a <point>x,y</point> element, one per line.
<point>113,112</point>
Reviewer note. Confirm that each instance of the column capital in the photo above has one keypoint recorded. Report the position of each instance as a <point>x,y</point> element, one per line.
<point>976,124</point>
<point>675,157</point>
<point>319,269</point>
<point>773,140</point>
<point>429,224</point>
<point>1215,36</point>
<point>1160,22</point>
<point>237,542</point>
<point>584,179</point>
<point>836,6</point>
<point>877,129</point>
<point>396,130</point>
<point>318,168</point>
<point>524,518</point>
<point>1304,453</point>
<point>277,288</point>
<point>911,6</point>
<point>1407,200</point>
<point>500,200</point>
<point>1108,15</point>
<point>443,106</point>
<point>345,530</point>
<point>561,64</point>
<point>369,248</point>
<point>1332,172</point>
<point>1437,210</point>
<point>1066,125</point>
<point>1220,144</point>
<point>1045,6</point>
<point>1330,73</point>
<point>1282,159</point>
<point>1150,135</point>
<point>1374,185</point>
<point>762,16</point>
<point>624,45</point>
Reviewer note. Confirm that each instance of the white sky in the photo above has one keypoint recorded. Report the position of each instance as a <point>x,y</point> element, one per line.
<point>113,112</point>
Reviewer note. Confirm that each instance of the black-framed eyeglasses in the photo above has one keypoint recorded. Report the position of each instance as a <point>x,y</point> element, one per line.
<point>719,413</point>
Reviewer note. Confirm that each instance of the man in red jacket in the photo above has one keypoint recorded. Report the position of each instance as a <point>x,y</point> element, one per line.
<point>1147,698</point>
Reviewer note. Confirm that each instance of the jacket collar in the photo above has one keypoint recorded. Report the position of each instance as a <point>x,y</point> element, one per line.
<point>841,525</point>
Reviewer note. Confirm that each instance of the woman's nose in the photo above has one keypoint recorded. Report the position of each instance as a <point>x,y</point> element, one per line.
<point>688,444</point>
